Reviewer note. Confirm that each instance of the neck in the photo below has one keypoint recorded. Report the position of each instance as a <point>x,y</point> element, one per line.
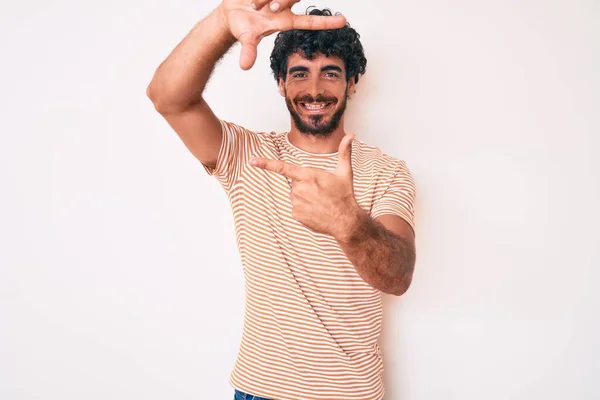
<point>317,144</point>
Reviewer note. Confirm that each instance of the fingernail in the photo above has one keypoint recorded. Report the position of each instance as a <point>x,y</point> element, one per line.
<point>275,7</point>
<point>253,5</point>
<point>253,161</point>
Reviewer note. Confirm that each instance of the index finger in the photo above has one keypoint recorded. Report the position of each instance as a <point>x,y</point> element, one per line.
<point>314,22</point>
<point>274,5</point>
<point>286,169</point>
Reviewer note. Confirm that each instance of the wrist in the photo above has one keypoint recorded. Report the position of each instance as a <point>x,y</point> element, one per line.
<point>351,224</point>
<point>221,15</point>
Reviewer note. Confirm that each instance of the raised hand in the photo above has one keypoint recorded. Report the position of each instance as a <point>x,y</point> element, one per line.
<point>249,21</point>
<point>321,200</point>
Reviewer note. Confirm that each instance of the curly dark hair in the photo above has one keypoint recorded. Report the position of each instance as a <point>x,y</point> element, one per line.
<point>343,43</point>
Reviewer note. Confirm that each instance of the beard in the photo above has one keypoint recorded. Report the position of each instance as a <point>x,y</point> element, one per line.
<point>317,125</point>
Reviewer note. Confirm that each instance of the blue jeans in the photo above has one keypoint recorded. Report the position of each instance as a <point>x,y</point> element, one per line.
<point>245,396</point>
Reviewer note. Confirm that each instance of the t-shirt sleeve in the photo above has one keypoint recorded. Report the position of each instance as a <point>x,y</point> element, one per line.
<point>237,147</point>
<point>399,197</point>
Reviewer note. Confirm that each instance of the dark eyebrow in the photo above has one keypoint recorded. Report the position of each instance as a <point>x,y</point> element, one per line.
<point>301,68</point>
<point>297,69</point>
<point>331,68</point>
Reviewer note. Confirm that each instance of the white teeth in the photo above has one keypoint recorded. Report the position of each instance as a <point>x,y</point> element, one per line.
<point>314,107</point>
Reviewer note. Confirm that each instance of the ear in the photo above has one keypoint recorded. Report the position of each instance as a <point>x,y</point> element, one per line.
<point>351,88</point>
<point>281,87</point>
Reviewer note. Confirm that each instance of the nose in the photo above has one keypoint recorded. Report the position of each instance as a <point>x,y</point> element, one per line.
<point>315,88</point>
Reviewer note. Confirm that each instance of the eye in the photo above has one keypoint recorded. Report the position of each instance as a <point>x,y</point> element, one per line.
<point>331,75</point>
<point>299,75</point>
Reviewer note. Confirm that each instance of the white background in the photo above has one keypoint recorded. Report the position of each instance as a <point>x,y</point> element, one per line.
<point>119,274</point>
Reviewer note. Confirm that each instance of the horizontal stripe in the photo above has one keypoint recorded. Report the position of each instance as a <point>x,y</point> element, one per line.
<point>311,324</point>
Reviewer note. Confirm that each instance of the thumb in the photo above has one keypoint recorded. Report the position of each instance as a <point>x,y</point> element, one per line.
<point>248,54</point>
<point>345,155</point>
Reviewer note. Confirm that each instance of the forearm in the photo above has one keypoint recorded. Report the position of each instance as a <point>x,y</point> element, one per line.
<point>382,259</point>
<point>180,80</point>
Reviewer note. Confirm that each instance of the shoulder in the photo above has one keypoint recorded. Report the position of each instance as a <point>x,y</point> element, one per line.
<point>373,158</point>
<point>261,135</point>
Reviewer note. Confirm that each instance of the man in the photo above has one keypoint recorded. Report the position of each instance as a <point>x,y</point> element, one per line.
<point>324,222</point>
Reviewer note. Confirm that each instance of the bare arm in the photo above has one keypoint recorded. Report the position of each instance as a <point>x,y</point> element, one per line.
<point>177,86</point>
<point>382,250</point>
<point>383,256</point>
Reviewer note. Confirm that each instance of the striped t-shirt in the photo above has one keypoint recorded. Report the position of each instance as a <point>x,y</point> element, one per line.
<point>311,323</point>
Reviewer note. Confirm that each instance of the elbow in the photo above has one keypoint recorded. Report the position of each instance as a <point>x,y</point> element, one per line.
<point>165,104</point>
<point>400,290</point>
<point>401,285</point>
<point>151,94</point>
<point>157,98</point>
<point>154,98</point>
<point>151,91</point>
<point>404,276</point>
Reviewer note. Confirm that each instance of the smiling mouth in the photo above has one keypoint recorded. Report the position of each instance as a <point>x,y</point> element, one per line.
<point>315,107</point>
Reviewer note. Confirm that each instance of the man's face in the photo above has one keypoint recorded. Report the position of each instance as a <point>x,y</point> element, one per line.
<point>315,93</point>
